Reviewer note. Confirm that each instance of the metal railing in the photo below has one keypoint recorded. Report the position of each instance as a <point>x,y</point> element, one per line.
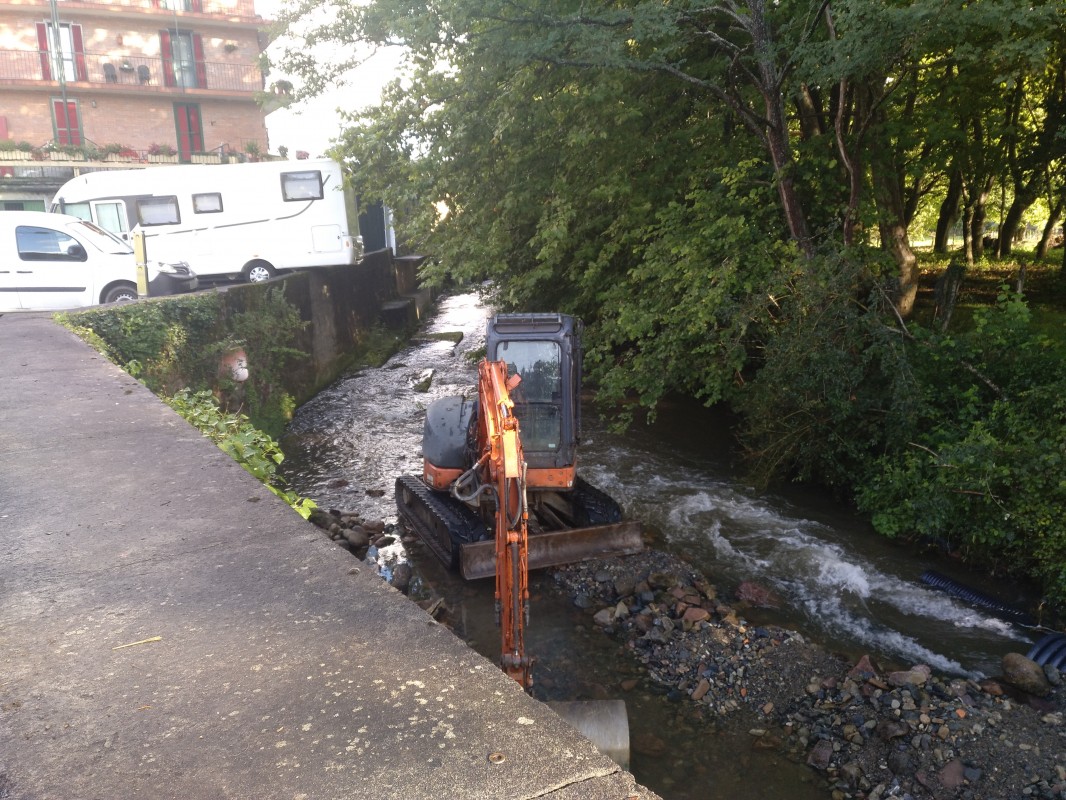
<point>129,71</point>
<point>229,8</point>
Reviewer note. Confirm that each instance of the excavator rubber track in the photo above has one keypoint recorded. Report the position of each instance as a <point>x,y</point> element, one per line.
<point>592,506</point>
<point>439,520</point>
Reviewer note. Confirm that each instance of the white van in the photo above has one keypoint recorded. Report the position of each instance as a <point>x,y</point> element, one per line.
<point>53,261</point>
<point>226,220</point>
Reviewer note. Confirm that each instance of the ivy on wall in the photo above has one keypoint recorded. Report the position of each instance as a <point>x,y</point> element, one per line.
<point>178,343</point>
<point>176,347</point>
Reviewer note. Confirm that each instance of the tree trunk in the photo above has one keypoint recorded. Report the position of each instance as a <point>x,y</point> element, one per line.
<point>967,233</point>
<point>852,165</point>
<point>887,180</point>
<point>781,155</point>
<point>777,140</point>
<point>949,212</point>
<point>809,110</point>
<point>1049,228</point>
<point>979,211</point>
<point>1024,197</point>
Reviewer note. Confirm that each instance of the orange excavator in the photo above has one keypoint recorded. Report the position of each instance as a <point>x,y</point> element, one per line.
<point>499,492</point>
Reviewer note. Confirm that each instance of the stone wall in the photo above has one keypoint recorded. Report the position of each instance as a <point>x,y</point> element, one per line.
<point>342,306</point>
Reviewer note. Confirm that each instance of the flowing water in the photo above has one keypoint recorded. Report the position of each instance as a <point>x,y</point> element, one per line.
<point>841,584</point>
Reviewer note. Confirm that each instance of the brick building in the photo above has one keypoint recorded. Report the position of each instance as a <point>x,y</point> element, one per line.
<point>99,84</point>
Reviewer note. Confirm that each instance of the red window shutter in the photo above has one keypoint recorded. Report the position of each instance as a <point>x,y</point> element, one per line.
<point>59,113</point>
<point>168,59</point>
<point>198,56</point>
<point>190,129</point>
<point>42,47</point>
<point>68,126</point>
<point>181,119</point>
<point>196,129</point>
<point>74,124</point>
<point>80,72</point>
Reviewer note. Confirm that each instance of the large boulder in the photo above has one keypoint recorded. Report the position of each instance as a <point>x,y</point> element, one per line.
<point>1025,674</point>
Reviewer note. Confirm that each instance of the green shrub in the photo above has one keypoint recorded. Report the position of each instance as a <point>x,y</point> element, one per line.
<point>955,437</point>
<point>177,343</point>
<point>254,450</point>
<point>169,345</point>
<point>829,384</point>
<point>983,468</point>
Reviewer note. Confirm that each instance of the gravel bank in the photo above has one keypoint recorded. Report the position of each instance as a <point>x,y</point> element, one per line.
<point>870,733</point>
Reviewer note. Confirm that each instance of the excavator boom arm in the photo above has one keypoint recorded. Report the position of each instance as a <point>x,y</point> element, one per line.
<point>505,462</point>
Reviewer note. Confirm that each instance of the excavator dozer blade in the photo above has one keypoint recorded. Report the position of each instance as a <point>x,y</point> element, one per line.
<point>553,549</point>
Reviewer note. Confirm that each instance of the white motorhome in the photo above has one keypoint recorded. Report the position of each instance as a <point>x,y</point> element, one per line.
<point>226,220</point>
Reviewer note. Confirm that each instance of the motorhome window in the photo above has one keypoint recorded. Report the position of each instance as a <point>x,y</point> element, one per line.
<point>79,210</point>
<point>301,185</point>
<point>210,203</point>
<point>158,210</point>
<point>45,244</point>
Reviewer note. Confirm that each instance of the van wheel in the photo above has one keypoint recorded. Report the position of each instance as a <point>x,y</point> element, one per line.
<point>122,293</point>
<point>258,271</point>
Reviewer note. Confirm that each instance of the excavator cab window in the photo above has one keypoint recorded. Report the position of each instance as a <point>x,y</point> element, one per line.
<point>538,398</point>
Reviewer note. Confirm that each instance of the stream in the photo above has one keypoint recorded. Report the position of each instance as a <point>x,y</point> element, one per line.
<point>842,585</point>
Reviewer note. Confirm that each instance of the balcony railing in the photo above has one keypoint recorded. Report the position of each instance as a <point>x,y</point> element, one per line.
<point>132,71</point>
<point>228,8</point>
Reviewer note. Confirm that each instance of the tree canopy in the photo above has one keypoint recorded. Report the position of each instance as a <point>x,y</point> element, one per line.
<point>729,192</point>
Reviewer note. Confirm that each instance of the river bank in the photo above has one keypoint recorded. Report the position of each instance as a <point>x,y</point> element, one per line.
<point>864,731</point>
<point>871,733</point>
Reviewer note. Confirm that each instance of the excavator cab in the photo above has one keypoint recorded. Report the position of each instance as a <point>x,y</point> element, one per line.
<point>545,351</point>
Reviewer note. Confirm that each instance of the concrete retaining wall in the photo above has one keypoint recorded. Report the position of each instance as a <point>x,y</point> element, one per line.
<point>342,306</point>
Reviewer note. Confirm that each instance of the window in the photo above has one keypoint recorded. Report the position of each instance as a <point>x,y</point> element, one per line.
<point>182,5</point>
<point>66,122</point>
<point>301,185</point>
<point>158,210</point>
<point>183,59</point>
<point>22,205</point>
<point>79,210</point>
<point>538,398</point>
<point>190,129</point>
<point>62,52</point>
<point>209,203</point>
<point>45,244</point>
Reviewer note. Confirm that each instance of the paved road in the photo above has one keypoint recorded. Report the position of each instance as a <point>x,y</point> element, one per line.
<point>169,629</point>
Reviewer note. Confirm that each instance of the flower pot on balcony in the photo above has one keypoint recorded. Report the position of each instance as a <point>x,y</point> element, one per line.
<point>206,158</point>
<point>15,155</point>
<point>162,159</point>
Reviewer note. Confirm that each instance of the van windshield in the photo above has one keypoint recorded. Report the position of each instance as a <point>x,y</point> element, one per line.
<point>102,240</point>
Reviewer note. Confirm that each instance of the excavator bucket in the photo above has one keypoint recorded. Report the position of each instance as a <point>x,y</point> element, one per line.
<point>555,548</point>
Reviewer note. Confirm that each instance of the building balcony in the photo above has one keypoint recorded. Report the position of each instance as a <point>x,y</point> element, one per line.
<point>30,69</point>
<point>234,12</point>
